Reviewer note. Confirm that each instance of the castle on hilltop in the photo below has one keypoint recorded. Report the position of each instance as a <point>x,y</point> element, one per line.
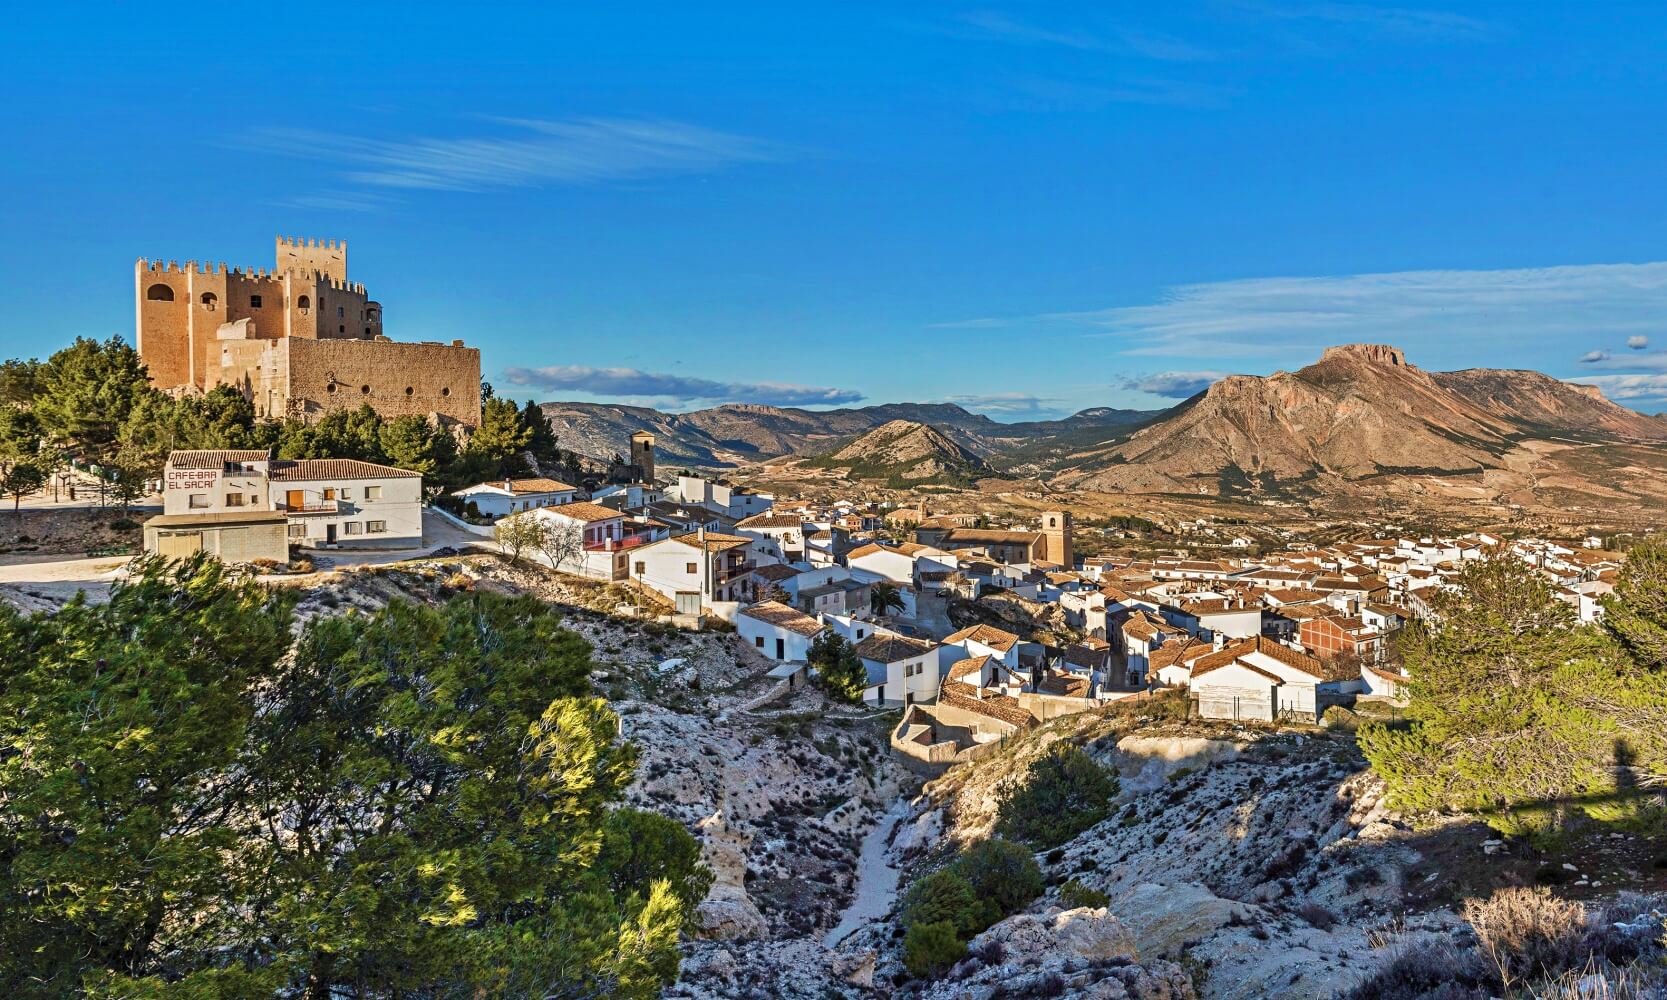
<point>298,341</point>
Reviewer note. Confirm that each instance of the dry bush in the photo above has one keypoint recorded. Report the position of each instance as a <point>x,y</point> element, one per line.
<point>1527,932</point>
<point>459,582</point>
<point>1426,968</point>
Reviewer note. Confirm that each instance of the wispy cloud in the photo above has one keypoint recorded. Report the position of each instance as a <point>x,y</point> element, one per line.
<point>982,323</point>
<point>522,152</point>
<point>1009,404</point>
<point>1593,357</point>
<point>1403,22</point>
<point>1628,387</point>
<point>631,382</point>
<point>1174,385</point>
<point>1258,316</point>
<point>1076,95</point>
<point>1638,343</point>
<point>999,26</point>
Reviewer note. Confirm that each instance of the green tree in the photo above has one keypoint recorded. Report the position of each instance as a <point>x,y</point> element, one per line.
<point>1062,793</point>
<point>884,597</point>
<point>495,448</point>
<point>642,848</point>
<point>541,438</point>
<point>518,533</point>
<point>19,382</point>
<point>458,748</point>
<point>838,668</point>
<point>19,480</point>
<point>20,435</point>
<point>411,442</point>
<point>420,805</point>
<point>85,393</point>
<point>1489,730</point>
<point>120,790</point>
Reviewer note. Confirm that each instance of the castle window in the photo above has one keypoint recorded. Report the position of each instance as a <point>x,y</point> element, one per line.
<point>159,293</point>
<point>254,302</point>
<point>341,313</point>
<point>410,391</point>
<point>342,328</point>
<point>367,331</point>
<point>331,388</point>
<point>303,303</point>
<point>209,301</point>
<point>364,390</point>
<point>446,391</point>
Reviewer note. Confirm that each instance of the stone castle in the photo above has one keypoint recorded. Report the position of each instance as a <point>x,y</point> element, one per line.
<point>299,340</point>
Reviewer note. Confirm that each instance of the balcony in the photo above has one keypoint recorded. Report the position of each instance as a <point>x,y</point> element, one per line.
<point>617,544</point>
<point>321,507</point>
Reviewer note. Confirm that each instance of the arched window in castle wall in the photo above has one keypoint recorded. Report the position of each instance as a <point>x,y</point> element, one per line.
<point>303,303</point>
<point>210,300</point>
<point>159,293</point>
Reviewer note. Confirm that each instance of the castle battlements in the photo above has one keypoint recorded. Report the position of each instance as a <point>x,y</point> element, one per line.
<point>297,241</point>
<point>261,273</point>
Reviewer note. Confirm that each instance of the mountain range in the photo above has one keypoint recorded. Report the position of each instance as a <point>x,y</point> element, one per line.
<point>1361,412</point>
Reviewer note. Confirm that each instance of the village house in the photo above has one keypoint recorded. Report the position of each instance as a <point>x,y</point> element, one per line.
<point>696,570</point>
<point>901,670</point>
<point>779,537</point>
<point>327,502</point>
<point>1259,679</point>
<point>591,540</point>
<point>735,502</point>
<point>898,564</point>
<point>1345,636</point>
<point>510,496</point>
<point>777,631</point>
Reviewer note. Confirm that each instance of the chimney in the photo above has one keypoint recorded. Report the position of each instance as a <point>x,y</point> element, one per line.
<point>1219,641</point>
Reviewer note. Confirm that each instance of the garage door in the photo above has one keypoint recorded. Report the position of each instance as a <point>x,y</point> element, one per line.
<point>178,545</point>
<point>1235,703</point>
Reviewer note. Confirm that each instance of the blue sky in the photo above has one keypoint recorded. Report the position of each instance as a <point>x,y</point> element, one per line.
<point>1026,208</point>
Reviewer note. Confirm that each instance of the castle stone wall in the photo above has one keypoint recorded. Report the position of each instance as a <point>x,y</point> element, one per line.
<point>395,379</point>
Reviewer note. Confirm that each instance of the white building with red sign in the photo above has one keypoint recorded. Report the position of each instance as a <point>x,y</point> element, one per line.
<point>327,502</point>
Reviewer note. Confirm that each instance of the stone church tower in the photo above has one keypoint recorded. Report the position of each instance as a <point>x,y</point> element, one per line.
<point>642,454</point>
<point>1056,532</point>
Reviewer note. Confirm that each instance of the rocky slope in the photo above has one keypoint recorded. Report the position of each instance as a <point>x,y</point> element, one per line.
<point>906,452</point>
<point>1266,864</point>
<point>1362,410</point>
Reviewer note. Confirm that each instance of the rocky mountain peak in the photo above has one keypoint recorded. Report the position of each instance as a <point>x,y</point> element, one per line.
<point>1377,354</point>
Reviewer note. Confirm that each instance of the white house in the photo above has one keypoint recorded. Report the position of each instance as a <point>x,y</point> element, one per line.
<point>900,563</point>
<point>1262,679</point>
<point>778,537</point>
<point>511,496</point>
<point>984,640</point>
<point>326,502</point>
<point>901,670</point>
<point>777,631</point>
<point>734,501</point>
<point>696,569</point>
<point>588,539</point>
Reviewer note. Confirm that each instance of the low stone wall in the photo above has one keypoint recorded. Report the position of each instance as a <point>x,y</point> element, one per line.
<point>943,753</point>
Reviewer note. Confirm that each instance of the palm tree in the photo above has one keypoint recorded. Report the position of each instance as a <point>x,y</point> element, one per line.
<point>883,597</point>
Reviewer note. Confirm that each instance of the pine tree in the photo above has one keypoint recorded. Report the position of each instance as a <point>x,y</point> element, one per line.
<point>541,438</point>
<point>495,448</point>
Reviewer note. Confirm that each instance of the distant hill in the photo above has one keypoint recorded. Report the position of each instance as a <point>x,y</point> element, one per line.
<point>739,433</point>
<point>906,453</point>
<point>1361,410</point>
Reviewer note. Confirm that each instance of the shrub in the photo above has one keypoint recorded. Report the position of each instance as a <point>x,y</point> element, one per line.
<point>1317,915</point>
<point>930,949</point>
<point>1074,894</point>
<point>1004,877</point>
<point>943,897</point>
<point>1426,969</point>
<point>1527,932</point>
<point>124,524</point>
<point>1064,792</point>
